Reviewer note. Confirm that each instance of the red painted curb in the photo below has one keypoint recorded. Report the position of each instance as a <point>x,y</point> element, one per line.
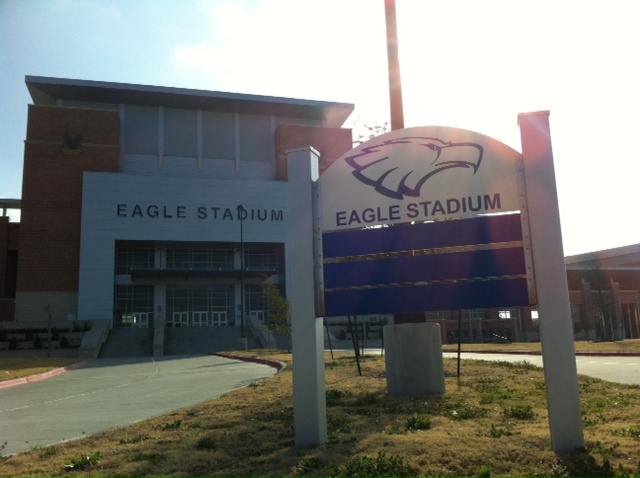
<point>41,376</point>
<point>279,366</point>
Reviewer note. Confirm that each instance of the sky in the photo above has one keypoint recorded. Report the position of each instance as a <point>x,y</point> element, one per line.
<point>464,63</point>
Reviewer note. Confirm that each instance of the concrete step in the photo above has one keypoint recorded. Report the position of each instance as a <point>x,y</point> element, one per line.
<point>128,343</point>
<point>203,340</point>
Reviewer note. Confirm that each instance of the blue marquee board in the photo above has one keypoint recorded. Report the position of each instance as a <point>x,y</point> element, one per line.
<point>451,265</point>
<point>423,219</point>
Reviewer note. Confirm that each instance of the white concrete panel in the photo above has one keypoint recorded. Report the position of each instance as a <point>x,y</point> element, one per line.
<point>120,206</point>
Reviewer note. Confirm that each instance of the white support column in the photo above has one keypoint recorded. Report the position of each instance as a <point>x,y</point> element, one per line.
<point>556,330</point>
<point>309,401</point>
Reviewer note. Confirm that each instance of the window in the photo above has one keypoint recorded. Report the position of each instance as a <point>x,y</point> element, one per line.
<point>180,132</point>
<point>439,315</point>
<point>133,305</point>
<point>260,259</point>
<point>476,314</point>
<point>128,258</point>
<point>253,297</point>
<point>188,305</point>
<point>199,259</point>
<point>141,130</point>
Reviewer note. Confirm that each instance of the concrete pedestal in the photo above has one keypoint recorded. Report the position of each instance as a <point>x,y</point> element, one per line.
<point>413,354</point>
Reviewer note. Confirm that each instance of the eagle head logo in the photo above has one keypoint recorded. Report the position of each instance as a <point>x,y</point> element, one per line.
<point>399,167</point>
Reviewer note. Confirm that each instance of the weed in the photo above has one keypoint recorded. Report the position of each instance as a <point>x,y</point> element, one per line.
<point>559,469</point>
<point>151,457</point>
<point>84,462</point>
<point>367,399</point>
<point>172,426</point>
<point>466,412</point>
<point>500,432</point>
<point>418,422</point>
<point>333,396</point>
<point>206,443</point>
<point>381,465</point>
<point>483,472</point>
<point>394,430</point>
<point>522,412</point>
<point>136,439</point>
<point>49,451</point>
<point>339,423</point>
<point>632,432</point>
<point>591,422</point>
<point>308,464</point>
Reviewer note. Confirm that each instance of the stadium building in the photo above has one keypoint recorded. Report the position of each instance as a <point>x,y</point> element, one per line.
<point>157,207</point>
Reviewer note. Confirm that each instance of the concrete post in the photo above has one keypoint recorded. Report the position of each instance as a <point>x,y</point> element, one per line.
<point>309,401</point>
<point>413,357</point>
<point>556,331</point>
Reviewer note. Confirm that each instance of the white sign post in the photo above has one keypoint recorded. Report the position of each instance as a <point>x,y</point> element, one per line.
<point>309,400</point>
<point>556,333</point>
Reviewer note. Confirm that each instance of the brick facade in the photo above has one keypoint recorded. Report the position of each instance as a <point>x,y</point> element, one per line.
<point>52,191</point>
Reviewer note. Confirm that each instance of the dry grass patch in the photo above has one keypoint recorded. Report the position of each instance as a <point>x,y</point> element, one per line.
<point>12,368</point>
<point>491,422</point>
<point>617,347</point>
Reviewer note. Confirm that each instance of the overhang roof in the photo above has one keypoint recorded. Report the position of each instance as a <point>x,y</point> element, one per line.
<point>45,91</point>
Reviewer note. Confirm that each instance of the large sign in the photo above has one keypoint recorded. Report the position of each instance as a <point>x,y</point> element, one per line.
<point>424,219</point>
<point>420,174</point>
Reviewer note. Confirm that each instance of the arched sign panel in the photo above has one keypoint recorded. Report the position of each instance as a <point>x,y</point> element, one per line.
<point>419,174</point>
<point>424,219</point>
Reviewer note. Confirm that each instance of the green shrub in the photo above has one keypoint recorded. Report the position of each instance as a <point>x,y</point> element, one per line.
<point>418,422</point>
<point>483,472</point>
<point>84,462</point>
<point>381,465</point>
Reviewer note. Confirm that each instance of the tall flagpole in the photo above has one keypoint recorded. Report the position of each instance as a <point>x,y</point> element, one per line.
<point>395,85</point>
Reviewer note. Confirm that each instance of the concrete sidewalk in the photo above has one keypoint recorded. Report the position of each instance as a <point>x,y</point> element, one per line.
<point>109,393</point>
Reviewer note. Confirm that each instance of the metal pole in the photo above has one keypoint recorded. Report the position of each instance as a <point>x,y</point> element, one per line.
<point>395,84</point>
<point>459,339</point>
<point>241,214</point>
<point>49,340</point>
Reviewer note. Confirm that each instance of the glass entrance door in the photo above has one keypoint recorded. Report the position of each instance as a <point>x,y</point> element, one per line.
<point>200,319</point>
<point>219,318</point>
<point>181,319</point>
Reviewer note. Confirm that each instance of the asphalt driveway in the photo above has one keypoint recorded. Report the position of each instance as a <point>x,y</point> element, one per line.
<point>109,393</point>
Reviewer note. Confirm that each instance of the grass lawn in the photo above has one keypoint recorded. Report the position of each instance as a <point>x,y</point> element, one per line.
<point>616,347</point>
<point>491,422</point>
<point>12,368</point>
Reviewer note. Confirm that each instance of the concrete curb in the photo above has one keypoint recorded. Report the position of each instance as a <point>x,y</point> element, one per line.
<point>279,366</point>
<point>41,376</point>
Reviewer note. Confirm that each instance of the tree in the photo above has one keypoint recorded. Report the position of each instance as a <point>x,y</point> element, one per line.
<point>601,304</point>
<point>278,314</point>
<point>369,131</point>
